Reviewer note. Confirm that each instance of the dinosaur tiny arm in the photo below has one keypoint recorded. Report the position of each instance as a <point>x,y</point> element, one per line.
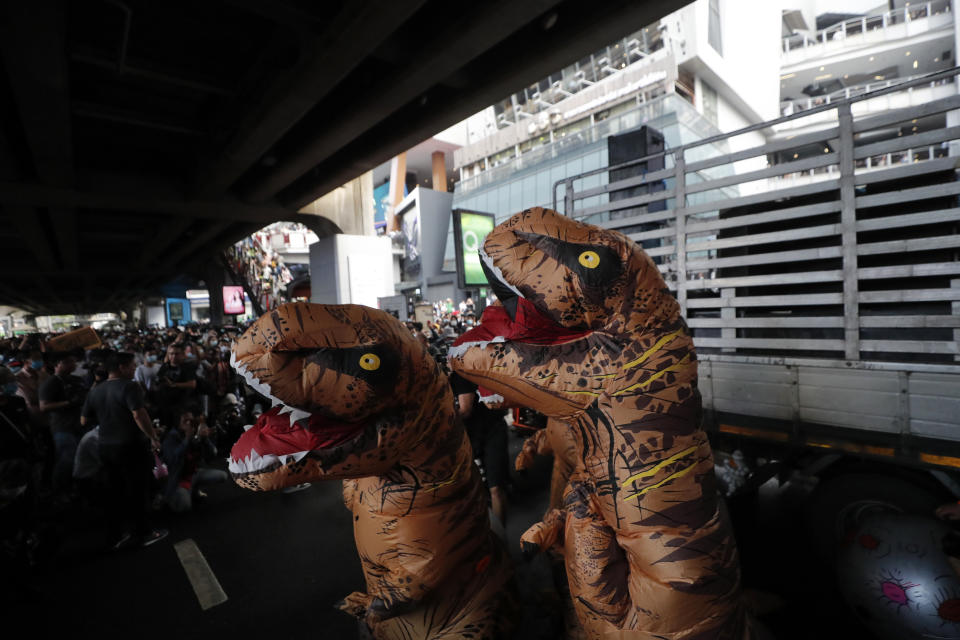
<point>597,568</point>
<point>349,493</point>
<point>535,445</point>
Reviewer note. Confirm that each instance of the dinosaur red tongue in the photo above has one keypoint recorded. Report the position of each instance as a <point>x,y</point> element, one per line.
<point>530,326</point>
<point>273,434</point>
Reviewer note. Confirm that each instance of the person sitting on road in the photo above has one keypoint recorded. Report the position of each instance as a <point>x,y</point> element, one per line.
<point>87,468</point>
<point>184,448</point>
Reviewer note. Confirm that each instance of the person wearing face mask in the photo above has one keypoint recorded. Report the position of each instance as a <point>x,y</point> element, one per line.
<point>29,378</point>
<point>146,373</point>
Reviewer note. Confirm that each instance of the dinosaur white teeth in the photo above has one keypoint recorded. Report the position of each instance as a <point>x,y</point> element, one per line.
<point>497,272</point>
<point>264,389</point>
<point>295,457</point>
<point>255,462</point>
<point>460,349</point>
<point>297,414</point>
<point>247,427</point>
<point>495,399</point>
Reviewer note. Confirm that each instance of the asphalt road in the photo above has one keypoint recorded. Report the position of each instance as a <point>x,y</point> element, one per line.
<point>283,560</point>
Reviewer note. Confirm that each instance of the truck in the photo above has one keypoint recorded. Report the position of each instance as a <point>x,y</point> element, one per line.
<point>819,273</point>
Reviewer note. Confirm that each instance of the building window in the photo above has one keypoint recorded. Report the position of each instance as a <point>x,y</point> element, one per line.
<point>713,27</point>
<point>685,86</point>
<point>709,106</point>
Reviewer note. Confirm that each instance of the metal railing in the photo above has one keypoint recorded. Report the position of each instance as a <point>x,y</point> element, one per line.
<point>866,24</point>
<point>645,111</point>
<point>789,107</point>
<point>862,266</point>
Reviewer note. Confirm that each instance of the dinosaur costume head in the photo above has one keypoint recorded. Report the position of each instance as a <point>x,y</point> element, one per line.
<point>570,294</point>
<point>571,273</point>
<point>347,383</point>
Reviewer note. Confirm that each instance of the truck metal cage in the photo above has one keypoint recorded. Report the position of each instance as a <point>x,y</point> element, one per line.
<point>819,271</point>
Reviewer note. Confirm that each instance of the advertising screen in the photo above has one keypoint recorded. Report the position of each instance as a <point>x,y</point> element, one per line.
<point>233,300</point>
<point>410,227</point>
<point>470,228</point>
<point>178,311</point>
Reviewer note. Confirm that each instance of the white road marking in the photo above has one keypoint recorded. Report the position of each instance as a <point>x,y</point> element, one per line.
<point>204,583</point>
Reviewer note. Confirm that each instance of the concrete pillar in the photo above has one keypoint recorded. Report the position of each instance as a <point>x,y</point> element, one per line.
<point>215,279</point>
<point>439,171</point>
<point>398,177</point>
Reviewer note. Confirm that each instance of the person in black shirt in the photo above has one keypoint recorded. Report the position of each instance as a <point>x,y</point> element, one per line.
<point>176,385</point>
<point>117,405</point>
<point>488,438</point>
<point>61,397</point>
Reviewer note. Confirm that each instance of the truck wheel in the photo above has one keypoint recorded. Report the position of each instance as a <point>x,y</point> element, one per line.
<point>837,505</point>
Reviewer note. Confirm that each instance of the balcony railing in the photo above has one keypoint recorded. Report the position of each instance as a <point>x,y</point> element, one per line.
<point>857,26</point>
<point>788,107</point>
<point>881,161</point>
<point>658,107</point>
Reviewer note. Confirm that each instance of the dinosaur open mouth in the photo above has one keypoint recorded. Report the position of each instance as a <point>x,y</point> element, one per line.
<point>517,320</point>
<point>276,441</point>
<point>284,435</point>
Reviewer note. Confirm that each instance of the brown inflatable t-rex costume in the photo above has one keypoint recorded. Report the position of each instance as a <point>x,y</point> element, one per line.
<point>361,399</point>
<point>587,333</point>
<point>556,439</point>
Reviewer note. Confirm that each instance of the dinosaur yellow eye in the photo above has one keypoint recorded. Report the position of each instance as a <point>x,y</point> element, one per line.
<point>590,259</point>
<point>370,362</point>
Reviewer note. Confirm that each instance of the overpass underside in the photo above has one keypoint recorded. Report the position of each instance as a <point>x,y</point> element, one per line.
<point>139,138</point>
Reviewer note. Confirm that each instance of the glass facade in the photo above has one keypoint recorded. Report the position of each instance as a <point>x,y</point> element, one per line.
<point>528,180</point>
<point>604,62</point>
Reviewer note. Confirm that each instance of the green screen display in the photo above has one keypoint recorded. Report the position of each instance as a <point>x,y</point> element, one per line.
<point>474,228</point>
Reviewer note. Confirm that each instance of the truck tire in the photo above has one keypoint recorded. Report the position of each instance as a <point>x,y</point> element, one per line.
<point>837,504</point>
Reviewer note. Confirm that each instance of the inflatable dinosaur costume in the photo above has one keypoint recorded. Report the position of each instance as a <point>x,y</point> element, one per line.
<point>587,333</point>
<point>357,397</point>
<point>556,439</point>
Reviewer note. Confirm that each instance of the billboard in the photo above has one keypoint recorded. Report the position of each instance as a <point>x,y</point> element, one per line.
<point>470,228</point>
<point>233,300</point>
<point>410,228</point>
<point>178,311</point>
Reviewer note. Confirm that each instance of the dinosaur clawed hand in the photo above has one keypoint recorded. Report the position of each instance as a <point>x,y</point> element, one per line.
<point>365,606</point>
<point>535,445</point>
<point>544,535</point>
<point>355,604</point>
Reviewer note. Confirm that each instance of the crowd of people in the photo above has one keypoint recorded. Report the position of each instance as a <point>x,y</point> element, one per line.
<point>74,428</point>
<point>485,427</point>
<point>254,260</point>
<point>131,430</point>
